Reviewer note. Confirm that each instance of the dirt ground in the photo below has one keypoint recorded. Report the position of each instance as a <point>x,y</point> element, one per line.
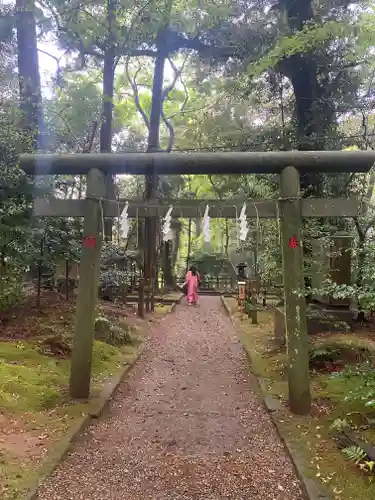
<point>185,425</point>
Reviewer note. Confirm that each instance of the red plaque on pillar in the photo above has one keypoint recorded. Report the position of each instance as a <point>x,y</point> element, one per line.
<point>89,242</point>
<point>293,242</point>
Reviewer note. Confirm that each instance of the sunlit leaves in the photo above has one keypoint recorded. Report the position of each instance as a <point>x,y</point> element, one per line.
<point>69,116</point>
<point>306,40</point>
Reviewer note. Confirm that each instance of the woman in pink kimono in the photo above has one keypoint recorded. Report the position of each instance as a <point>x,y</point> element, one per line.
<point>192,280</point>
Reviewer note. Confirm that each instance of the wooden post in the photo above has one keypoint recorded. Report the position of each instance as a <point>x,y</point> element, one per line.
<point>241,295</point>
<point>89,273</point>
<point>295,303</point>
<point>254,303</point>
<point>141,298</point>
<point>152,286</point>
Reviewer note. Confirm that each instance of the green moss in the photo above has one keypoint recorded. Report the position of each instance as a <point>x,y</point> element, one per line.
<point>33,384</point>
<point>19,353</point>
<point>31,381</point>
<point>309,436</point>
<point>321,459</point>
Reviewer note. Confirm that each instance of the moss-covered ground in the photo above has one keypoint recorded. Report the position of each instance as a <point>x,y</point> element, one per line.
<point>35,408</point>
<point>311,436</point>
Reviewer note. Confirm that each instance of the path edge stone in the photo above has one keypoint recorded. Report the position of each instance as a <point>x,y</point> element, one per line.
<point>177,301</point>
<point>311,489</point>
<point>96,408</point>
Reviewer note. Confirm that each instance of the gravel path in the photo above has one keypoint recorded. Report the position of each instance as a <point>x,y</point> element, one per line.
<point>184,426</point>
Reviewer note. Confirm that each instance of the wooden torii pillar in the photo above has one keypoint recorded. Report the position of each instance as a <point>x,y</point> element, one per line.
<point>290,206</point>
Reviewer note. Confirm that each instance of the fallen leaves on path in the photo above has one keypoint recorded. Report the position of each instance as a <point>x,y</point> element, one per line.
<point>185,426</point>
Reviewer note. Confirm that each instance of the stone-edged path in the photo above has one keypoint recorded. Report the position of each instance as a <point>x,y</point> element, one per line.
<point>185,425</point>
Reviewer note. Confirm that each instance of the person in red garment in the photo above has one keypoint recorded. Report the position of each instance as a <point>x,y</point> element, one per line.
<point>192,281</point>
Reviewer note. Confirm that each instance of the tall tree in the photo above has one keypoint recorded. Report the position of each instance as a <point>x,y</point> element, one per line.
<point>28,69</point>
<point>109,66</point>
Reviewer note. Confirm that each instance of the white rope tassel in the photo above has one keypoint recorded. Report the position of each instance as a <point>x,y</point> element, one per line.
<point>243,223</point>
<point>167,233</point>
<point>102,216</point>
<point>124,222</point>
<point>206,226</point>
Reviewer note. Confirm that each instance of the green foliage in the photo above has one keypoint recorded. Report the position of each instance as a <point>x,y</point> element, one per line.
<point>102,327</point>
<point>354,453</point>
<point>119,335</point>
<point>118,266</point>
<point>15,197</point>
<point>324,354</point>
<point>72,111</point>
<point>11,288</point>
<point>339,424</point>
<point>213,264</point>
<point>110,333</point>
<point>311,37</point>
<point>363,391</point>
<point>364,293</point>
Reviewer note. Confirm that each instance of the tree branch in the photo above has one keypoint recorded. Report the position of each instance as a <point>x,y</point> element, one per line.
<point>214,187</point>
<point>134,86</point>
<point>167,90</point>
<point>59,115</point>
<point>87,146</point>
<point>171,131</point>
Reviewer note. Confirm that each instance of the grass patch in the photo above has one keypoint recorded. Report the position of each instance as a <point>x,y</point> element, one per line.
<point>310,436</point>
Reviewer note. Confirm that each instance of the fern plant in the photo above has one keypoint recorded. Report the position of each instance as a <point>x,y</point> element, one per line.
<point>354,453</point>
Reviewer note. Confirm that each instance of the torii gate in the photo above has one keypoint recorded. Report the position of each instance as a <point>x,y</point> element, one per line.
<point>290,206</point>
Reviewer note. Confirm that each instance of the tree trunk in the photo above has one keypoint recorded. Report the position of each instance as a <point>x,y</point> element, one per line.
<point>301,69</point>
<point>107,106</point>
<point>28,71</point>
<point>176,246</point>
<point>314,117</point>
<point>153,145</point>
<point>152,181</point>
<point>226,249</point>
<point>39,275</point>
<point>67,279</point>
<point>167,267</point>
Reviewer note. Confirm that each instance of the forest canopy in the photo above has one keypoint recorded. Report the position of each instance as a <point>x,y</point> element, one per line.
<point>183,76</point>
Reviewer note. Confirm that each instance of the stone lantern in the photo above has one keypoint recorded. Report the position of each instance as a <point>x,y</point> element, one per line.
<point>241,273</point>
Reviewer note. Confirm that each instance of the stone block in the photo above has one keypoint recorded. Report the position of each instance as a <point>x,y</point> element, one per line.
<point>318,320</point>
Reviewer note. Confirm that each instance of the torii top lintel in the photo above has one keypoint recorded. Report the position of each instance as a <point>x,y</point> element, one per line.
<point>199,163</point>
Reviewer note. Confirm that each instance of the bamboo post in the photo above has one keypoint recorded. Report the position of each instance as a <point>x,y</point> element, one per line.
<point>89,273</point>
<point>295,303</point>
